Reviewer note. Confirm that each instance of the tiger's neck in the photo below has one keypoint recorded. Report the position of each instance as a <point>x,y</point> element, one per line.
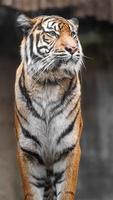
<point>51,87</point>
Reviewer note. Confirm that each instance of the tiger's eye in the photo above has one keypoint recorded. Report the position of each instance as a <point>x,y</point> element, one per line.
<point>73,34</point>
<point>53,33</point>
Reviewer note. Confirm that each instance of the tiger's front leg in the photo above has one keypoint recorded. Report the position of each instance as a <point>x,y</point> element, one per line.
<point>32,189</point>
<point>33,177</point>
<point>66,183</point>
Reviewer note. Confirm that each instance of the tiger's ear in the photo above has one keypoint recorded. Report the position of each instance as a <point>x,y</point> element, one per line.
<point>24,23</point>
<point>75,22</point>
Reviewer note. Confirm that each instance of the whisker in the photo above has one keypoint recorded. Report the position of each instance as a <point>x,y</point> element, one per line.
<point>46,66</point>
<point>41,64</point>
<point>82,62</point>
<point>90,58</point>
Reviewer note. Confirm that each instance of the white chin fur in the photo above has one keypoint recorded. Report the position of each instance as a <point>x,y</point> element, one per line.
<point>73,67</point>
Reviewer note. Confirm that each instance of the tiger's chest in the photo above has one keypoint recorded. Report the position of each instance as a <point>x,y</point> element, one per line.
<point>48,123</point>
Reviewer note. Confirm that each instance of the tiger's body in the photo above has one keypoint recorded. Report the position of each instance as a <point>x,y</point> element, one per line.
<point>48,108</point>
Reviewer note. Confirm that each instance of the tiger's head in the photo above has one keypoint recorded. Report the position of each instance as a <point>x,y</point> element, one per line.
<point>50,44</point>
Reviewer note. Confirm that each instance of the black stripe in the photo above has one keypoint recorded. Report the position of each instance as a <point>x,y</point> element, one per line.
<point>27,98</point>
<point>67,130</point>
<point>58,177</point>
<point>64,153</point>
<point>49,172</point>
<point>45,47</point>
<point>55,192</point>
<point>32,55</point>
<point>35,58</point>
<point>37,26</point>
<point>47,187</point>
<point>34,155</point>
<point>61,103</point>
<point>38,185</point>
<point>73,109</point>
<point>45,19</point>
<point>46,39</point>
<point>56,114</point>
<point>38,103</point>
<point>26,53</point>
<point>59,194</point>
<point>27,134</point>
<point>67,192</point>
<point>37,39</point>
<point>31,45</point>
<point>60,181</point>
<point>38,179</point>
<point>59,111</point>
<point>20,114</point>
<point>68,72</point>
<point>60,25</point>
<point>50,82</point>
<point>54,22</point>
<point>67,93</point>
<point>41,182</point>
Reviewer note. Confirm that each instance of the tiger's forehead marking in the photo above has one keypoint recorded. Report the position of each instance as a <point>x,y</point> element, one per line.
<point>56,23</point>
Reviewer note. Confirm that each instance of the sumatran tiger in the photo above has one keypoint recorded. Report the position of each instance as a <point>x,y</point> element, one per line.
<point>48,117</point>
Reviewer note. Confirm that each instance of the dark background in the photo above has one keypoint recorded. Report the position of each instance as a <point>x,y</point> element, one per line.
<point>96,166</point>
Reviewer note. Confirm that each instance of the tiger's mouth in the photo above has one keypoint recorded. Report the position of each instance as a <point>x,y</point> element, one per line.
<point>63,66</point>
<point>64,61</point>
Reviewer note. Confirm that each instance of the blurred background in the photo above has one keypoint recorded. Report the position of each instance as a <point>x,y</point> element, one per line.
<point>96,35</point>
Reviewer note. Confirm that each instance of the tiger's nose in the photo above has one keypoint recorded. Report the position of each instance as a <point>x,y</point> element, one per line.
<point>71,49</point>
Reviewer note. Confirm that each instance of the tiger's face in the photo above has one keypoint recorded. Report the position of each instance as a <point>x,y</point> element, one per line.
<point>50,44</point>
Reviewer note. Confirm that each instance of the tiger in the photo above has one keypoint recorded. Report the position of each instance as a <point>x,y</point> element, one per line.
<point>48,116</point>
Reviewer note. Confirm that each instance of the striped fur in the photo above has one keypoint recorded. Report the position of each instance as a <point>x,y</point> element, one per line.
<point>48,107</point>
